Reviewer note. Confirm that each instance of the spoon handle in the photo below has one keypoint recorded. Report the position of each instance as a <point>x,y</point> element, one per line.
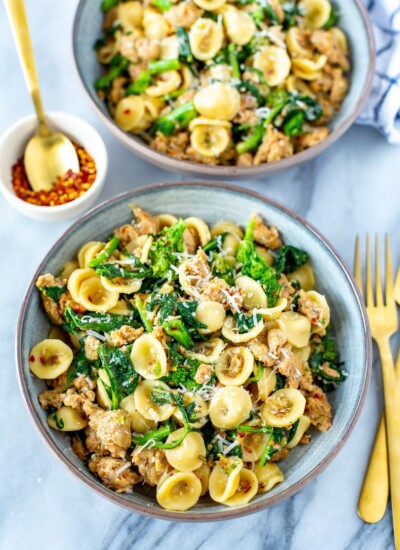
<point>19,24</point>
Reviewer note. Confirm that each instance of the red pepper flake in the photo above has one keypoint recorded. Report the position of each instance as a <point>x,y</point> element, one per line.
<point>65,189</point>
<point>42,360</point>
<point>247,489</point>
<point>32,358</point>
<point>241,434</point>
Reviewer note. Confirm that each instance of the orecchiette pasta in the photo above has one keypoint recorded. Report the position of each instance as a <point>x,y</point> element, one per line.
<point>210,314</point>
<point>316,12</point>
<point>179,492</point>
<point>67,419</point>
<point>50,358</point>
<point>209,5</point>
<point>239,26</point>
<point>189,455</point>
<point>217,101</point>
<point>224,479</point>
<point>148,357</point>
<point>155,25</point>
<point>247,489</point>
<point>268,476</point>
<point>309,69</point>
<point>234,366</point>
<point>283,407</point>
<point>210,140</point>
<point>229,407</point>
<point>231,332</point>
<point>165,84</point>
<point>130,15</point>
<point>206,38</point>
<point>178,357</point>
<point>296,327</point>
<point>274,63</point>
<point>146,405</point>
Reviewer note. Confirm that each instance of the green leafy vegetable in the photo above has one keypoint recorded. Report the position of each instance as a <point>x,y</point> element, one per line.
<point>289,259</point>
<point>215,244</point>
<point>115,271</point>
<point>103,322</point>
<point>233,61</point>
<point>280,381</point>
<point>293,430</point>
<point>163,65</point>
<point>245,323</point>
<point>105,253</point>
<point>178,118</point>
<point>140,85</point>
<point>325,364</point>
<point>123,378</point>
<point>154,435</point>
<point>163,5</point>
<point>108,5</point>
<point>177,329</point>
<point>163,252</point>
<point>80,365</point>
<point>187,310</point>
<point>256,267</point>
<point>246,86</point>
<point>117,66</point>
<point>53,292</point>
<point>252,141</point>
<point>273,445</point>
<point>332,21</point>
<point>167,303</point>
<point>185,52</point>
<point>291,10</point>
<point>59,421</point>
<point>223,269</point>
<point>143,316</point>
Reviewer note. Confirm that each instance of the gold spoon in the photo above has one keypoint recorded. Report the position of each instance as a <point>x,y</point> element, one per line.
<point>48,154</point>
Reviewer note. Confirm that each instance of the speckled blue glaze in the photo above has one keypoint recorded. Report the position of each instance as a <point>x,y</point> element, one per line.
<point>214,203</point>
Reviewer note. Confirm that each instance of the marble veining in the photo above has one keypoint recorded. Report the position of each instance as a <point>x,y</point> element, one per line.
<point>352,188</point>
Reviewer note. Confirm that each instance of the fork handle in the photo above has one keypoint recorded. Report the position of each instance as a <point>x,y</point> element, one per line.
<point>375,491</point>
<point>392,418</point>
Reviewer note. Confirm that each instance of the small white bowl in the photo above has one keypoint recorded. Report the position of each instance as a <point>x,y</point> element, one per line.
<point>12,144</point>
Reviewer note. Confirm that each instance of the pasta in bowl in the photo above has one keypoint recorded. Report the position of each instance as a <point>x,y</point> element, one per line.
<point>188,391</point>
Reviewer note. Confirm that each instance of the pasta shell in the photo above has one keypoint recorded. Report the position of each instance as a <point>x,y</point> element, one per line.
<point>252,292</point>
<point>125,286</point>
<point>266,384</point>
<point>166,220</point>
<point>218,101</point>
<point>234,366</point>
<point>296,327</point>
<point>224,479</point>
<point>203,473</point>
<point>210,141</point>
<point>103,384</point>
<point>189,455</point>
<point>247,489</point>
<point>268,476</point>
<point>274,63</point>
<point>200,411</point>
<point>226,226</point>
<point>209,5</point>
<point>130,15</point>
<point>316,13</point>
<point>231,333</point>
<point>155,25</point>
<point>272,313</point>
<point>146,405</point>
<point>304,275</point>
<point>69,420</point>
<point>169,47</point>
<point>206,38</point>
<point>295,42</point>
<point>148,357</point>
<point>76,279</point>
<point>204,121</point>
<point>252,443</point>
<point>89,251</point>
<point>212,315</point>
<point>201,229</point>
<point>229,407</point>
<point>302,427</point>
<point>139,423</point>
<point>165,83</point>
<point>208,351</point>
<point>283,408</point>
<point>94,297</point>
<point>179,492</point>
<point>239,26</point>
<point>129,113</point>
<point>68,269</point>
<point>50,358</point>
<point>340,39</point>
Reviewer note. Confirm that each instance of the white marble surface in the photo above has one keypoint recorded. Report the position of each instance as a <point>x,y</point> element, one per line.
<point>353,188</point>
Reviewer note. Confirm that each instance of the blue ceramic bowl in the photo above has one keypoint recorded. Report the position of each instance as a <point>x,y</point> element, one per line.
<point>353,20</point>
<point>213,202</point>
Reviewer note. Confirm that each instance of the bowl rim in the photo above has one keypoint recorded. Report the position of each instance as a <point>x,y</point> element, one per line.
<point>197,169</point>
<point>159,512</point>
<point>58,117</point>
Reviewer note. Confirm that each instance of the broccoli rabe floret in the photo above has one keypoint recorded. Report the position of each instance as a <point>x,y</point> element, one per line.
<point>256,267</point>
<point>289,259</point>
<point>178,331</point>
<point>163,251</point>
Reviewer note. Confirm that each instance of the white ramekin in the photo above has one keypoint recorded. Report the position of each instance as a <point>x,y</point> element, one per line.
<point>12,144</point>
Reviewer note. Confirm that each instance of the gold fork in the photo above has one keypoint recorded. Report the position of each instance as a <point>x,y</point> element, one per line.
<point>375,491</point>
<point>383,322</point>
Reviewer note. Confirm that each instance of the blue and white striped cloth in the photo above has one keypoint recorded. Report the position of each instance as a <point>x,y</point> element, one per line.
<point>382,110</point>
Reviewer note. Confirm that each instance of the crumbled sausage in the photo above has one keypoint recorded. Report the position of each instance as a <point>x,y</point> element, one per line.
<point>275,146</point>
<point>91,346</point>
<point>125,335</point>
<point>265,235</point>
<point>203,373</point>
<point>183,15</point>
<point>318,409</point>
<point>114,473</point>
<point>311,138</point>
<point>145,223</point>
<point>151,463</point>
<point>113,431</point>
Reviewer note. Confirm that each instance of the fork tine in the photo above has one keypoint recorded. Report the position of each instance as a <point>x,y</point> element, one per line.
<point>357,265</point>
<point>389,275</point>
<point>378,281</point>
<point>370,297</point>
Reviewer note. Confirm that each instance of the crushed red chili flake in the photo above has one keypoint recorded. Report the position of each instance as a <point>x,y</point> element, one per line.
<point>66,189</point>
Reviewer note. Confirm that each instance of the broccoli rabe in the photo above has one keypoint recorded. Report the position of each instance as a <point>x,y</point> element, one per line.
<point>244,323</point>
<point>256,267</point>
<point>184,371</point>
<point>118,65</point>
<point>223,269</point>
<point>163,252</point>
<point>187,311</point>
<point>167,303</point>
<point>325,364</point>
<point>114,271</point>
<point>103,322</point>
<point>53,292</point>
<point>289,259</point>
<point>80,365</point>
<point>176,119</point>
<point>123,378</point>
<point>178,331</point>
